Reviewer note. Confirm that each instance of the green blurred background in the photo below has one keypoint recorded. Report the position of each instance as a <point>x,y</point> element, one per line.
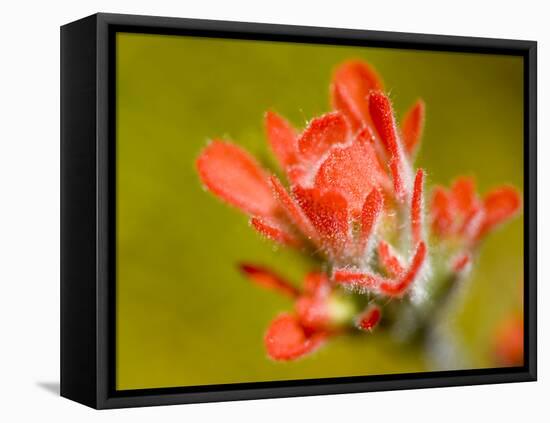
<point>185,316</point>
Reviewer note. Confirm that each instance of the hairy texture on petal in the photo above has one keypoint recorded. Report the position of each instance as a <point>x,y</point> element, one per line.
<point>358,279</point>
<point>266,278</point>
<point>442,211</point>
<point>275,230</point>
<point>322,133</point>
<point>287,339</point>
<point>500,204</point>
<point>384,122</point>
<point>416,207</point>
<point>350,87</point>
<point>329,214</point>
<point>353,171</point>
<point>369,216</point>
<point>412,126</point>
<point>282,138</point>
<point>464,195</point>
<point>234,176</point>
<point>389,260</point>
<point>369,318</point>
<point>399,288</point>
<point>293,211</point>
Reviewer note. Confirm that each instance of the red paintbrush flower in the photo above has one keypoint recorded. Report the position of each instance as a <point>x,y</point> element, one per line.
<point>318,313</point>
<point>340,169</point>
<point>351,188</point>
<point>460,213</point>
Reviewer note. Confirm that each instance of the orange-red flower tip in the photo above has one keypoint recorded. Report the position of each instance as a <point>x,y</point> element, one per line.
<point>234,175</point>
<point>416,207</point>
<point>442,212</point>
<point>286,338</point>
<point>268,279</point>
<point>369,318</point>
<point>460,212</point>
<point>461,263</point>
<point>464,194</point>
<point>412,126</point>
<point>382,116</point>
<point>500,205</point>
<point>294,213</point>
<point>351,83</point>
<point>399,287</point>
<point>276,231</point>
<point>282,138</point>
<point>321,133</point>
<point>369,216</point>
<point>389,260</point>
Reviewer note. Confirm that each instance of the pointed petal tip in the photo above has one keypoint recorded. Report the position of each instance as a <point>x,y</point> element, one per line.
<point>233,175</point>
<point>268,279</point>
<point>370,318</point>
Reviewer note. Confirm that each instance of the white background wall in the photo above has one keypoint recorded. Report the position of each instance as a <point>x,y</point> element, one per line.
<point>29,209</point>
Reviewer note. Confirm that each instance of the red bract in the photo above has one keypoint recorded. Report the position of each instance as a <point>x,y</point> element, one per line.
<point>460,213</point>
<point>339,169</point>
<point>349,189</point>
<point>292,335</point>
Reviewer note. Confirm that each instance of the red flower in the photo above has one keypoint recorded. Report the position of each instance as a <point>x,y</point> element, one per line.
<point>351,187</point>
<point>460,213</point>
<point>340,168</point>
<point>316,316</point>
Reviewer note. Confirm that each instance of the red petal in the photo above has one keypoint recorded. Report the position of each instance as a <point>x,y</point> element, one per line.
<point>370,318</point>
<point>464,195</point>
<point>322,133</point>
<point>389,260</point>
<point>282,138</point>
<point>329,215</point>
<point>413,124</point>
<point>286,338</point>
<point>461,262</point>
<point>399,288</point>
<point>275,231</point>
<point>316,282</point>
<point>353,171</point>
<point>270,280</point>
<point>416,207</point>
<point>358,279</point>
<point>442,212</point>
<point>233,175</point>
<point>293,210</point>
<point>313,312</point>
<point>500,204</point>
<point>384,122</point>
<point>350,87</point>
<point>369,216</point>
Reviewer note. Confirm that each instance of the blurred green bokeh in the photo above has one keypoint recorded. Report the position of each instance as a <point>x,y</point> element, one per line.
<point>185,316</point>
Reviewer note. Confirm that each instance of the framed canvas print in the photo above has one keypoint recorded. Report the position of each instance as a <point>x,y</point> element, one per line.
<point>256,211</point>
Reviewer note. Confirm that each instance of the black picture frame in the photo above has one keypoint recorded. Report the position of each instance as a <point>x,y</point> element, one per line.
<point>88,206</point>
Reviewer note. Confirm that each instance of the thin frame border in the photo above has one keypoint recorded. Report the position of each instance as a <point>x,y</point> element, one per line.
<point>107,26</point>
